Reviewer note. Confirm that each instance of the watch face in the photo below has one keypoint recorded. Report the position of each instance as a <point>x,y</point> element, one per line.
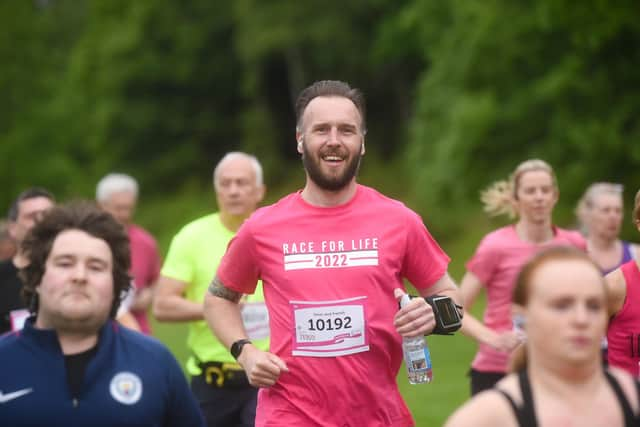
<point>236,347</point>
<point>447,312</point>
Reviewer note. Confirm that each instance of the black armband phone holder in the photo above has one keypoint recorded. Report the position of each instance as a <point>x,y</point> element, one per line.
<point>447,313</point>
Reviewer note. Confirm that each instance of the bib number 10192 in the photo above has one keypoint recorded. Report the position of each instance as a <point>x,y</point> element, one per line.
<point>330,324</point>
<point>329,328</point>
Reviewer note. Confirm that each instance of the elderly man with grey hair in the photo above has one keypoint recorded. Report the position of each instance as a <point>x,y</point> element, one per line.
<point>117,194</point>
<point>219,383</point>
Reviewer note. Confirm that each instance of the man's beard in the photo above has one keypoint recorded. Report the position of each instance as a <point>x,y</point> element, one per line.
<point>325,181</point>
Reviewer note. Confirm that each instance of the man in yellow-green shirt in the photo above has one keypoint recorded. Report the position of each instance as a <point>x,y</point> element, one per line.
<point>220,385</point>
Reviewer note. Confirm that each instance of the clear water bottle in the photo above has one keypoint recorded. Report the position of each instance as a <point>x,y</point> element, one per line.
<point>416,356</point>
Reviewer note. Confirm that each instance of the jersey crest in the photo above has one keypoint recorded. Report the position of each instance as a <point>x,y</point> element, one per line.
<point>126,388</point>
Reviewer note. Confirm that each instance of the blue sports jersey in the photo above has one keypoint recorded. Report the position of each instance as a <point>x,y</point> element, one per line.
<point>133,380</point>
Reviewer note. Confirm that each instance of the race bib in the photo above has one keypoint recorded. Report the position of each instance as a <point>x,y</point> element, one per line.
<point>255,318</point>
<point>329,328</point>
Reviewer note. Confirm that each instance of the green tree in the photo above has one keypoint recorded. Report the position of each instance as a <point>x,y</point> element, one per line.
<point>514,80</point>
<point>33,51</point>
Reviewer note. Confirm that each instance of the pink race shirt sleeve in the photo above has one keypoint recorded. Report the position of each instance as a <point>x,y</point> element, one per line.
<point>576,239</point>
<point>483,262</point>
<point>238,270</point>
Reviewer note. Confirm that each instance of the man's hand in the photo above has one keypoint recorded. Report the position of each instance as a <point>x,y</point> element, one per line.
<point>263,368</point>
<point>415,319</point>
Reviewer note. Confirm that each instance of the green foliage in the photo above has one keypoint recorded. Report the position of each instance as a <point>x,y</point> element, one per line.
<point>162,90</point>
<point>457,93</point>
<point>159,94</point>
<point>510,81</point>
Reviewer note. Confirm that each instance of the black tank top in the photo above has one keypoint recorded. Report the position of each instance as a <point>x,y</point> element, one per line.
<point>526,415</point>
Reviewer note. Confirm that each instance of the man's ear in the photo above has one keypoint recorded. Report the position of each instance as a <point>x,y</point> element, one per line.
<point>300,139</point>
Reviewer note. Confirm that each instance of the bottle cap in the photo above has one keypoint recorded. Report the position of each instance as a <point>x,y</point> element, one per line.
<point>404,300</point>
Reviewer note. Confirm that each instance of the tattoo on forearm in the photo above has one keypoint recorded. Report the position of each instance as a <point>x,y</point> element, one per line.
<point>217,289</point>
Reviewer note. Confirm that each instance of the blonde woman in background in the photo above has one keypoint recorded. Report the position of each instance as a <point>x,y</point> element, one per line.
<point>600,212</point>
<point>529,195</point>
<point>561,380</point>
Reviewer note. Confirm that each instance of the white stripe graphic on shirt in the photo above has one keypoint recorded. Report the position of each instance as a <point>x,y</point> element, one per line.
<point>323,260</point>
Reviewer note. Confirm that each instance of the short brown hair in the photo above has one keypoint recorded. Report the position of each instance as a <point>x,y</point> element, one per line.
<point>330,88</point>
<point>29,193</point>
<point>84,216</point>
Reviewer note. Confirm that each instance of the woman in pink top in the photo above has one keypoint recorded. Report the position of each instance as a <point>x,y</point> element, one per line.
<point>530,195</point>
<point>559,379</point>
<point>623,333</point>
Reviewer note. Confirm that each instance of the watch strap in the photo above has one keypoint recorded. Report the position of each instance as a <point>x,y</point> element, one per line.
<point>236,347</point>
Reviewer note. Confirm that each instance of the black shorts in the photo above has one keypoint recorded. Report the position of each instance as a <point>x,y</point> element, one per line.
<point>481,381</point>
<point>222,407</point>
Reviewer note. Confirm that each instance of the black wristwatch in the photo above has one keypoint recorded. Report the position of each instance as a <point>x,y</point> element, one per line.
<point>447,313</point>
<point>236,347</point>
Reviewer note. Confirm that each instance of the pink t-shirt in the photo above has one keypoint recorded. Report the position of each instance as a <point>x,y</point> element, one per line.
<point>496,263</point>
<point>145,266</point>
<point>623,335</point>
<point>333,270</point>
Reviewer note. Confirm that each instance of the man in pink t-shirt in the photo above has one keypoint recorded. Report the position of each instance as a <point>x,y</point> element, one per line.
<point>332,259</point>
<point>118,194</point>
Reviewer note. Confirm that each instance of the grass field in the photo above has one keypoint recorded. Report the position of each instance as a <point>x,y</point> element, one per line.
<point>430,404</point>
